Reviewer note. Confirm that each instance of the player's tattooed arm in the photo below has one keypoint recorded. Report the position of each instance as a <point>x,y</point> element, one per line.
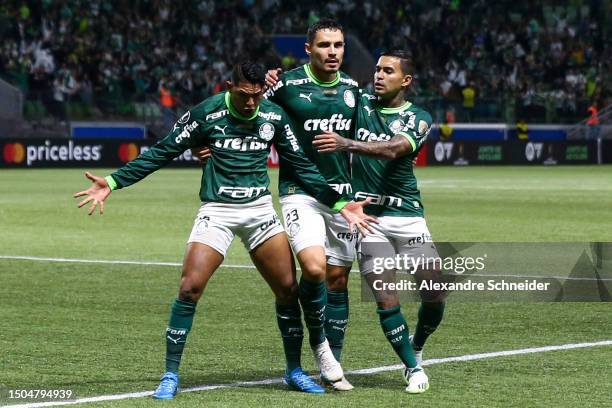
<point>398,146</point>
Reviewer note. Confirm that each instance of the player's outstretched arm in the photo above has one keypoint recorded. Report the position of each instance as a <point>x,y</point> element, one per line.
<point>96,194</point>
<point>398,146</point>
<point>356,218</point>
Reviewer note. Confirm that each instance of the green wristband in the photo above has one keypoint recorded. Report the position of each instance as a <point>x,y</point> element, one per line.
<point>340,204</point>
<point>112,184</point>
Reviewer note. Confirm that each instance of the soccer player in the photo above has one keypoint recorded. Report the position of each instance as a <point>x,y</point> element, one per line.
<point>390,132</point>
<point>239,128</point>
<point>318,97</point>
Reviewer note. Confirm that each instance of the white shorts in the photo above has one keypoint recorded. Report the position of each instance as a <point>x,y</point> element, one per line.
<point>217,223</point>
<point>392,236</point>
<point>310,223</point>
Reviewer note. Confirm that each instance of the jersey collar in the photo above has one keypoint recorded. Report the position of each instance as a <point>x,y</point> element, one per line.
<point>390,111</point>
<point>234,112</point>
<point>314,79</point>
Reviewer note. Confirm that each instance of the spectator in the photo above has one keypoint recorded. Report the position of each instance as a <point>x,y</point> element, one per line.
<point>124,47</point>
<point>167,102</point>
<point>522,130</point>
<point>288,61</point>
<point>469,94</point>
<point>593,121</point>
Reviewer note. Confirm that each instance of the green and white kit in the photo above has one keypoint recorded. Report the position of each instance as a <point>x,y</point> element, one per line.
<point>391,184</point>
<point>315,107</point>
<point>235,178</point>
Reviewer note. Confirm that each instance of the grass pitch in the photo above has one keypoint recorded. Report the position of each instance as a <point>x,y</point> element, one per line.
<point>98,328</point>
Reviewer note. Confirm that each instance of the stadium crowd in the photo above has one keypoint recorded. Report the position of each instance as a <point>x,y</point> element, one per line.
<point>102,52</point>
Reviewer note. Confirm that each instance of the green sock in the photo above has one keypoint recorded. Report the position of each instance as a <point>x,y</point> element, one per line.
<point>179,325</point>
<point>396,331</point>
<point>313,297</point>
<point>289,319</point>
<point>336,320</point>
<point>430,316</point>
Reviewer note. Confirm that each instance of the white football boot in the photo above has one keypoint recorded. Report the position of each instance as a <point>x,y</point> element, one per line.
<point>340,385</point>
<point>331,370</point>
<point>417,381</point>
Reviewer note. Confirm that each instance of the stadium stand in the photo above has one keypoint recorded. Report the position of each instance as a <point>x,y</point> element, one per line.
<point>106,59</point>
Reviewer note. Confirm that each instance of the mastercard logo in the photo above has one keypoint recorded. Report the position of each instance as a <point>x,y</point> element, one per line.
<point>128,152</point>
<point>13,153</point>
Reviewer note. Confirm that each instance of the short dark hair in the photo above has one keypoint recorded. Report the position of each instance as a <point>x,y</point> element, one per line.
<point>323,24</point>
<point>248,71</point>
<point>405,58</point>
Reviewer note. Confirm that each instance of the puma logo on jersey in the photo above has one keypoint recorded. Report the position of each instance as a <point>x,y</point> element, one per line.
<point>369,110</point>
<point>221,129</point>
<point>175,341</point>
<point>305,96</point>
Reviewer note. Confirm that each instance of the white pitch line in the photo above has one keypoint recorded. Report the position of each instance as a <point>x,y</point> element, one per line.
<point>231,266</point>
<point>109,261</point>
<point>365,371</point>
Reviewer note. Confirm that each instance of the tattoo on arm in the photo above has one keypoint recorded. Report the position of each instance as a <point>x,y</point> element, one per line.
<point>398,146</point>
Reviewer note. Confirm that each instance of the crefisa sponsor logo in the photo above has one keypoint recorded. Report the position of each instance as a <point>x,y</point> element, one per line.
<point>16,153</point>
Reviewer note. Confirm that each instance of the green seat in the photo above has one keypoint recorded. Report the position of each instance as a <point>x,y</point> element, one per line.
<point>75,110</point>
<point>548,16</point>
<point>139,110</point>
<point>155,111</point>
<point>38,110</point>
<point>29,110</point>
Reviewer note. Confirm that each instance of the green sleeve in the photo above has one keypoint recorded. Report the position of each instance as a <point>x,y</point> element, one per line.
<point>307,175</point>
<point>417,129</point>
<point>357,98</point>
<point>185,134</point>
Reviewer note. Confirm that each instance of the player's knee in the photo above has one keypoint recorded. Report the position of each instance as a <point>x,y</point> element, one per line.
<point>314,269</point>
<point>287,294</point>
<point>336,281</point>
<point>388,303</point>
<point>189,291</point>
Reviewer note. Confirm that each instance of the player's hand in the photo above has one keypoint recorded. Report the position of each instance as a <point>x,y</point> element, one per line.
<point>96,194</point>
<point>201,153</point>
<point>354,215</point>
<point>272,77</point>
<point>330,142</point>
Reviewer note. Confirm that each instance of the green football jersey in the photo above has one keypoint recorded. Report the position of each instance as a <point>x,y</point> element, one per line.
<point>314,107</point>
<point>391,184</point>
<point>237,171</point>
